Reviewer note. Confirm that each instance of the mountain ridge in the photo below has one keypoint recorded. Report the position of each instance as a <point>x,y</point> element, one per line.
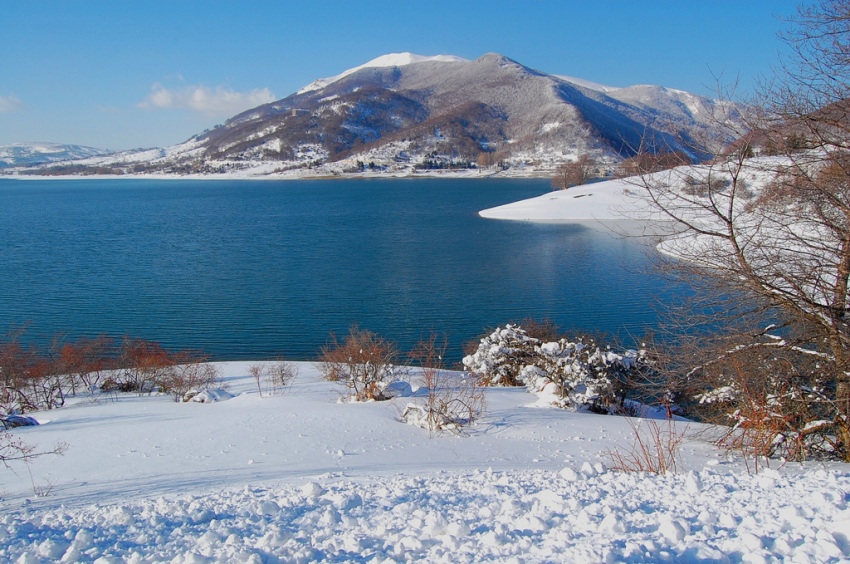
<point>34,154</point>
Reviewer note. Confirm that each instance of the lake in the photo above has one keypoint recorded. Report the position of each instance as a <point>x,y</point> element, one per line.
<point>257,269</point>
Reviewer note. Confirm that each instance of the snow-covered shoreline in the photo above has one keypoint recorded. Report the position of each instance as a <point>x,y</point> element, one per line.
<point>474,174</point>
<point>301,477</point>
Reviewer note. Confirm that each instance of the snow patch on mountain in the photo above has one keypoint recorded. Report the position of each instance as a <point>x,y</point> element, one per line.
<point>388,60</point>
<point>586,83</point>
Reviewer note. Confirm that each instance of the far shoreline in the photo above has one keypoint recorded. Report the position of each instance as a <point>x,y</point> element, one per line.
<point>536,175</point>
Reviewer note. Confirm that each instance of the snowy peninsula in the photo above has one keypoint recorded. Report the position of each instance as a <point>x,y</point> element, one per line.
<point>604,201</point>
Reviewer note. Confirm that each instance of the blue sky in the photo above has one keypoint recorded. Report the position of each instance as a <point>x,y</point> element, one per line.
<point>126,74</point>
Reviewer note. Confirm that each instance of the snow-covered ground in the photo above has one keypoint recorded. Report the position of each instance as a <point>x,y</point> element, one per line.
<point>301,477</point>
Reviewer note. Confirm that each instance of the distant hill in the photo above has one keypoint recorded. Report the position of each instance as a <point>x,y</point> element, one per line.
<point>401,112</point>
<point>33,154</point>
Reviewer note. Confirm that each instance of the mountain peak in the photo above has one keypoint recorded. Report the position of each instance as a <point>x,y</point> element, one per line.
<point>494,57</point>
<point>388,60</point>
<point>407,58</point>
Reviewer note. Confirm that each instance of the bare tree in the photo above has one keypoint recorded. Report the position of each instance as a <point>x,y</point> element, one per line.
<point>647,162</point>
<point>33,379</point>
<point>16,363</point>
<point>273,377</point>
<point>189,374</point>
<point>785,248</point>
<point>365,362</point>
<point>575,173</point>
<point>259,372</point>
<point>454,401</point>
<point>84,363</point>
<point>13,449</point>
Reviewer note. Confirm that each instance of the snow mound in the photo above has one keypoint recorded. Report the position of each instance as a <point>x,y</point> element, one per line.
<point>212,396</point>
<point>398,389</point>
<point>535,516</point>
<point>13,421</point>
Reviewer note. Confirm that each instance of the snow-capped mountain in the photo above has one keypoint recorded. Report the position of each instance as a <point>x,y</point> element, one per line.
<point>460,109</point>
<point>32,154</point>
<point>401,111</point>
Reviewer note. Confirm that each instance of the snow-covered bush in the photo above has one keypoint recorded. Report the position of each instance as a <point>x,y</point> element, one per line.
<point>575,374</point>
<point>578,371</point>
<point>143,366</point>
<point>774,397</point>
<point>364,362</point>
<point>502,356</point>
<point>582,375</point>
<point>184,381</point>
<point>211,395</point>
<point>656,447</point>
<point>453,401</point>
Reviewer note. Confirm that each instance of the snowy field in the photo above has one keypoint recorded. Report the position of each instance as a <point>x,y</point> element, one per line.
<point>301,477</point>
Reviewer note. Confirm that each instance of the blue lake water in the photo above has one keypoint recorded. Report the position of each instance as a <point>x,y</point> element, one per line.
<point>256,269</point>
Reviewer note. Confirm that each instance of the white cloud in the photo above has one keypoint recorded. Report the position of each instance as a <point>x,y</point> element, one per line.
<point>218,101</point>
<point>10,104</point>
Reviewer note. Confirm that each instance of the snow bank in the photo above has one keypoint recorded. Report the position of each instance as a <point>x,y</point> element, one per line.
<point>468,517</point>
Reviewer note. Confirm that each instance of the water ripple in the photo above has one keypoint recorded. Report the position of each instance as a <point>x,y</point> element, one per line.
<point>257,269</point>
